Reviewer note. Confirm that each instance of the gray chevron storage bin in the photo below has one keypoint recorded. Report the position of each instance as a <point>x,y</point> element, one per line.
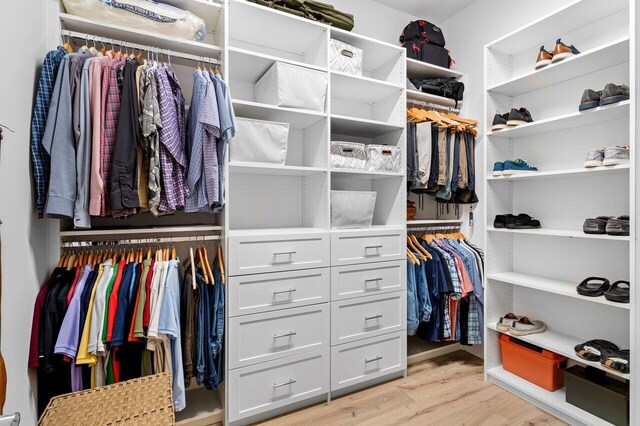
<point>384,158</point>
<point>346,58</point>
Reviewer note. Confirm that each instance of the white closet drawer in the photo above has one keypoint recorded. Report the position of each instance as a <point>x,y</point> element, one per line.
<point>264,387</point>
<point>352,281</point>
<point>265,337</point>
<point>278,252</point>
<point>350,247</point>
<point>356,319</point>
<point>368,359</point>
<point>251,294</point>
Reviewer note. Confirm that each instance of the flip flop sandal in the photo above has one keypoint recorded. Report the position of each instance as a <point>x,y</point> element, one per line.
<point>593,287</point>
<point>617,293</point>
<point>593,350</point>
<point>505,322</point>
<point>616,360</point>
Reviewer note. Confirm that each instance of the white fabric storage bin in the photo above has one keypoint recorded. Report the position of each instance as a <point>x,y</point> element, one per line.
<point>384,158</point>
<point>292,86</point>
<point>348,155</point>
<point>260,141</point>
<point>346,58</point>
<point>352,209</point>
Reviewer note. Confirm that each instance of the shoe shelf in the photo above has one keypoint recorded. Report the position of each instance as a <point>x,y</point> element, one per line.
<point>566,173</point>
<point>571,120</point>
<point>550,285</point>
<point>562,344</point>
<point>422,70</point>
<point>553,402</point>
<point>605,56</point>
<point>558,233</point>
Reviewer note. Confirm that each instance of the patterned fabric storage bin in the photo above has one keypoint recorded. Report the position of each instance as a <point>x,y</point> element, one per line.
<point>352,209</point>
<point>292,86</point>
<point>348,155</point>
<point>260,141</point>
<point>384,158</point>
<point>345,58</point>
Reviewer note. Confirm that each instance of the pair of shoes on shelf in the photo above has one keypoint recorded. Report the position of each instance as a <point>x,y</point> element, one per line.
<point>519,325</point>
<point>510,221</point>
<point>596,287</point>
<point>560,52</point>
<point>610,156</point>
<point>608,354</point>
<point>513,118</point>
<point>607,225</point>
<point>611,94</point>
<point>509,167</point>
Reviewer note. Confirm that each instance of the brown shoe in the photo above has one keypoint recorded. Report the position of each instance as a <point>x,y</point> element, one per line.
<point>544,58</point>
<point>562,51</point>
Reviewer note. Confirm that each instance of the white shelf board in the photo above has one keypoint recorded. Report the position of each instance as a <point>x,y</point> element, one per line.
<point>419,222</point>
<point>550,285</point>
<point>370,228</point>
<point>422,70</point>
<point>273,231</point>
<point>203,408</point>
<point>361,89</point>
<point>249,66</point>
<point>605,56</point>
<point>127,232</point>
<point>555,401</point>
<point>428,97</point>
<point>354,126</point>
<point>247,168</point>
<point>145,38</point>
<point>576,14</point>
<point>558,233</point>
<point>297,118</point>
<point>561,344</point>
<point>567,121</point>
<point>376,53</point>
<point>208,10</point>
<point>591,171</point>
<point>363,174</point>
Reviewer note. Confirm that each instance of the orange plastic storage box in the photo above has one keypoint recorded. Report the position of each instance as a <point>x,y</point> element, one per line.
<point>536,365</point>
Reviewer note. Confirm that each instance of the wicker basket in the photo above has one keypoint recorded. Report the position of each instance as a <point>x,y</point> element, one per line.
<point>144,401</point>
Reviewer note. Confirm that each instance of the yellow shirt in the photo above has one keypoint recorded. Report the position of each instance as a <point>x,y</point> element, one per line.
<point>84,357</point>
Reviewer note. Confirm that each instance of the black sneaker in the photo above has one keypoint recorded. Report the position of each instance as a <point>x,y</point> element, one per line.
<point>519,116</point>
<point>499,121</point>
<point>613,93</point>
<point>596,225</point>
<point>590,99</point>
<point>618,226</point>
<point>500,221</point>
<point>522,221</point>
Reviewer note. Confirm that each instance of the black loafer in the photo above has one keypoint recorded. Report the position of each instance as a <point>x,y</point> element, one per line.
<point>522,221</point>
<point>617,293</point>
<point>593,287</point>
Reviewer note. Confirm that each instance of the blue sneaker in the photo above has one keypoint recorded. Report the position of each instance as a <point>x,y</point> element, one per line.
<point>498,168</point>
<point>517,166</point>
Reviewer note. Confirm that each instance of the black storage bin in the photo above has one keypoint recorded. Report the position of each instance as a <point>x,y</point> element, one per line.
<point>594,392</point>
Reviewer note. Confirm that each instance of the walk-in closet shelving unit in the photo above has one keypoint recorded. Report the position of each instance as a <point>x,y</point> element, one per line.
<point>203,407</point>
<point>535,272</point>
<point>313,311</point>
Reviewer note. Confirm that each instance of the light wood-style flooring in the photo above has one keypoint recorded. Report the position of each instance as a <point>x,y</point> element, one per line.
<point>448,390</point>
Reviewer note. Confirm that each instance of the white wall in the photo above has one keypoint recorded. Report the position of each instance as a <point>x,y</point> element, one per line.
<point>25,239</point>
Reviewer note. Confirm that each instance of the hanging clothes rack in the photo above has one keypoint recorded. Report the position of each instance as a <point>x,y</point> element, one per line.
<point>434,228</point>
<point>140,241</point>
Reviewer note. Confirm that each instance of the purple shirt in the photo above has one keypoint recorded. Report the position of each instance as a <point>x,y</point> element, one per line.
<point>69,336</point>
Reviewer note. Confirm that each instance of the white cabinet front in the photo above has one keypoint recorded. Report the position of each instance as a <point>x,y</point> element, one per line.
<point>356,319</point>
<point>350,247</point>
<point>265,337</point>
<point>366,280</point>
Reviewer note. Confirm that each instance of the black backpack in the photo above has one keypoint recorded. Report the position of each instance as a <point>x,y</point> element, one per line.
<point>447,87</point>
<point>425,42</point>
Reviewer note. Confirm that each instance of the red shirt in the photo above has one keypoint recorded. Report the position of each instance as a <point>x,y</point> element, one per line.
<point>75,282</point>
<point>35,324</point>
<point>147,314</point>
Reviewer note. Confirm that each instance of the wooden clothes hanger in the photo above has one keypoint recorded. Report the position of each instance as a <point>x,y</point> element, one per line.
<point>416,252</point>
<point>221,262</point>
<point>412,258</point>
<point>420,248</point>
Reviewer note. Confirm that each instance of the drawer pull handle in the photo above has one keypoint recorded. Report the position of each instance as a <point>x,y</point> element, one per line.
<point>282,253</point>
<point>373,317</point>
<point>367,361</point>
<point>372,280</point>
<point>279,385</point>
<point>291,290</point>
<point>289,334</point>
<point>373,247</point>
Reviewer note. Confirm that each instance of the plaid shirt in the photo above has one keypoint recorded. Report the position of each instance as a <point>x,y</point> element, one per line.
<point>151,122</point>
<point>172,136</point>
<point>197,199</point>
<point>39,157</point>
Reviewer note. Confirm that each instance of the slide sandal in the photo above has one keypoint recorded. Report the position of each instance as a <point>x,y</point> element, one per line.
<point>616,360</point>
<point>593,287</point>
<point>617,293</point>
<point>593,350</point>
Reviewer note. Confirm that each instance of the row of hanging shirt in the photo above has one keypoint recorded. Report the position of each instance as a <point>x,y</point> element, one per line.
<point>441,156</point>
<point>105,318</point>
<point>109,137</point>
<point>445,289</point>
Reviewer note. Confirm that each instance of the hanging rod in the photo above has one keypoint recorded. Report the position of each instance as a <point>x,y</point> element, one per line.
<point>141,241</point>
<point>166,52</point>
<point>434,107</point>
<point>433,228</point>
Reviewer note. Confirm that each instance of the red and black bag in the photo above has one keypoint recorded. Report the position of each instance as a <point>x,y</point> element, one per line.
<point>425,42</point>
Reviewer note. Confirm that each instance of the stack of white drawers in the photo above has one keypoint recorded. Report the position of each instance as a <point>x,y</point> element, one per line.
<point>312,312</point>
